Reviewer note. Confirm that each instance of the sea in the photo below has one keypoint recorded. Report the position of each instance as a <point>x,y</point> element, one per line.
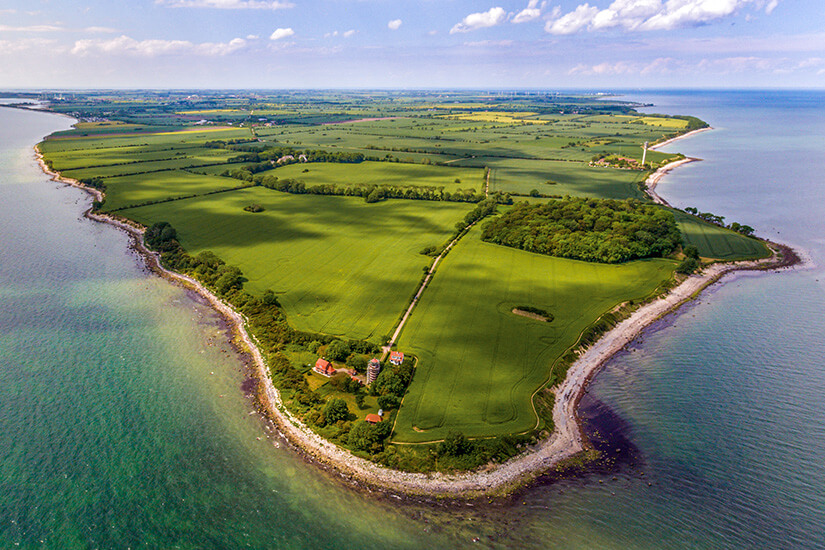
<point>127,420</point>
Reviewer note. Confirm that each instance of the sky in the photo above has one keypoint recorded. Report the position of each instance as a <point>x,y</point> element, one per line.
<point>552,44</point>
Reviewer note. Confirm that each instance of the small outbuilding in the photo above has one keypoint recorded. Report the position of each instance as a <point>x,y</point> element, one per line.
<point>373,419</point>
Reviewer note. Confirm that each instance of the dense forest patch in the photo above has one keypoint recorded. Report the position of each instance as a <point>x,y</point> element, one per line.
<point>593,230</point>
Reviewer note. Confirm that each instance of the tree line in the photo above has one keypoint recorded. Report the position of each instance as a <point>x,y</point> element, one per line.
<point>593,230</point>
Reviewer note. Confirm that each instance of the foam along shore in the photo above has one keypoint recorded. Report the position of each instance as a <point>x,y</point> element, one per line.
<point>565,442</point>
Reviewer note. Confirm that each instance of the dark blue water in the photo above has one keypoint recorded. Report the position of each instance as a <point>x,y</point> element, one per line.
<point>115,433</point>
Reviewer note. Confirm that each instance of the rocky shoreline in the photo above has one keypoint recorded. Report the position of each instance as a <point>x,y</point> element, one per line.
<point>564,444</point>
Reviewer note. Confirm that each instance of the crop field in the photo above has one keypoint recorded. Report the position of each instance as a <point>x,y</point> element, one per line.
<point>717,242</point>
<point>108,156</point>
<point>338,265</point>
<point>344,267</point>
<point>479,364</point>
<point>571,178</point>
<point>143,188</point>
<point>60,142</point>
<point>384,173</point>
<point>674,123</point>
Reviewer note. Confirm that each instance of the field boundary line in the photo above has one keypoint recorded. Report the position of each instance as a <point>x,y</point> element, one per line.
<point>386,349</point>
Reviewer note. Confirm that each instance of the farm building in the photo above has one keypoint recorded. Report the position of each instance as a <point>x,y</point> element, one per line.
<point>373,418</point>
<point>396,357</point>
<point>324,367</point>
<point>373,368</point>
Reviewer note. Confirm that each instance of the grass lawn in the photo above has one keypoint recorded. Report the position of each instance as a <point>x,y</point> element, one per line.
<point>717,242</point>
<point>384,173</point>
<point>479,364</point>
<point>338,265</point>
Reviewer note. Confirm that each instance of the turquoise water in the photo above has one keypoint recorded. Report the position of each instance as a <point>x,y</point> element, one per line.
<point>124,423</point>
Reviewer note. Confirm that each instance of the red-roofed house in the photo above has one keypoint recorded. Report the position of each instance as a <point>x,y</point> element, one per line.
<point>396,357</point>
<point>324,367</point>
<point>373,418</point>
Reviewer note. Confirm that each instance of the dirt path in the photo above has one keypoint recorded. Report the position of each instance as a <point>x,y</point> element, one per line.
<point>386,349</point>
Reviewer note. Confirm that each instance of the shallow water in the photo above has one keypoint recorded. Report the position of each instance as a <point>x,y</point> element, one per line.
<point>123,423</point>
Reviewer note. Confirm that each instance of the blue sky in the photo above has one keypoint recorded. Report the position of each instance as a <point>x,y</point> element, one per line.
<point>420,44</point>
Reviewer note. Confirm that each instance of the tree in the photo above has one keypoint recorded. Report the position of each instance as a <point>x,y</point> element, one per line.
<point>688,266</point>
<point>269,298</point>
<point>338,350</point>
<point>230,278</point>
<point>335,410</point>
<point>691,251</point>
<point>357,362</point>
<point>367,437</point>
<point>390,401</point>
<point>455,444</point>
<point>388,383</point>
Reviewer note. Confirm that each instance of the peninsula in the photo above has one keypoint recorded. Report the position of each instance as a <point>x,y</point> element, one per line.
<point>424,281</point>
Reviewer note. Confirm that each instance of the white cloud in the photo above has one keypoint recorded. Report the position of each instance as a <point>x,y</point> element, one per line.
<point>100,30</point>
<point>532,11</point>
<point>395,24</point>
<point>278,34</point>
<point>602,69</point>
<point>649,15</point>
<point>574,21</point>
<point>125,45</point>
<point>490,43</point>
<point>227,4</point>
<point>32,28</point>
<point>345,34</point>
<point>489,18</point>
<point>14,47</point>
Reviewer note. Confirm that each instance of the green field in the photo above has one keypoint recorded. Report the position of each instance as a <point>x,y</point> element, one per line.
<point>338,265</point>
<point>384,173</point>
<point>128,191</point>
<point>479,364</point>
<point>571,178</point>
<point>717,242</point>
<point>348,268</point>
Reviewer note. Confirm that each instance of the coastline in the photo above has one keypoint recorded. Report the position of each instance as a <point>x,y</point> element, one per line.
<point>563,444</point>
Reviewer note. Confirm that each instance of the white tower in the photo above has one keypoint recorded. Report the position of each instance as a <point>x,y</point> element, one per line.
<point>644,154</point>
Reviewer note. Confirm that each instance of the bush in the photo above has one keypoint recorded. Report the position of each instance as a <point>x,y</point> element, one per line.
<point>455,444</point>
<point>688,266</point>
<point>335,410</point>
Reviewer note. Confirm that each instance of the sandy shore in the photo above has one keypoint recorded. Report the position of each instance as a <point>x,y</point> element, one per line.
<point>677,138</point>
<point>565,443</point>
<point>653,179</point>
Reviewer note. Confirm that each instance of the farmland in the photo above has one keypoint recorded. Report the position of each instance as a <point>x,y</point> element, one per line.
<point>479,364</point>
<point>386,173</point>
<point>298,194</point>
<point>338,265</point>
<point>717,242</point>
